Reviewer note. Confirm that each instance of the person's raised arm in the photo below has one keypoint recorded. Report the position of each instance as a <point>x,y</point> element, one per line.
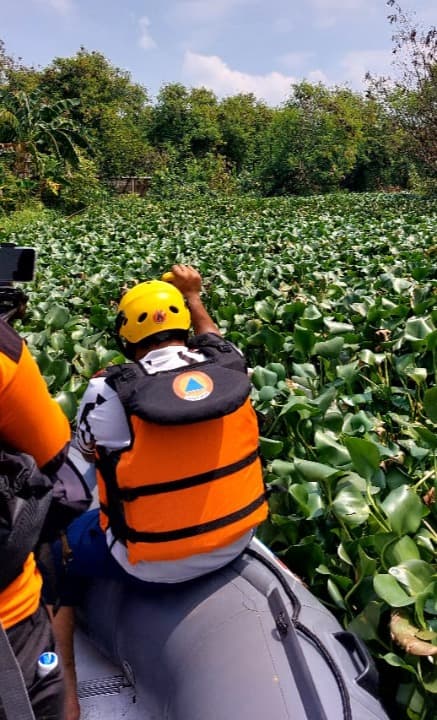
<point>189,282</point>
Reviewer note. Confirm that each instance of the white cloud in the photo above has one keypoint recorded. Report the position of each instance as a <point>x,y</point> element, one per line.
<point>146,41</point>
<point>316,76</point>
<point>212,72</point>
<point>357,63</point>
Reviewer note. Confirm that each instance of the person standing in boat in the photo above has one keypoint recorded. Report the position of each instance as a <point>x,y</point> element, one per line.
<point>175,441</point>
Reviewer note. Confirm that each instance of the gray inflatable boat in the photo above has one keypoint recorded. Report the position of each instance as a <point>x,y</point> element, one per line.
<point>247,642</point>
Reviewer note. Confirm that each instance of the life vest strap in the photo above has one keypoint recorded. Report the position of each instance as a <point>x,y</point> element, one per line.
<point>135,536</point>
<point>129,494</point>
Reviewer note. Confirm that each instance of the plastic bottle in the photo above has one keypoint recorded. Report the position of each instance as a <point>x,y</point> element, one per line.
<point>47,662</point>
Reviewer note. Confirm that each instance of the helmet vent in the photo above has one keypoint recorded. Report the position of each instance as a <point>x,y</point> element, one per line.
<point>174,309</point>
<point>142,317</point>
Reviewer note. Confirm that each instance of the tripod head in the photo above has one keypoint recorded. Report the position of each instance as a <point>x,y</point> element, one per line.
<point>17,264</point>
<point>13,303</point>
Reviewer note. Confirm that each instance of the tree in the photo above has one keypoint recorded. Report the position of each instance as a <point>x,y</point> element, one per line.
<point>312,142</point>
<point>35,129</point>
<point>243,121</point>
<point>115,111</point>
<point>185,121</point>
<point>14,75</point>
<point>411,98</point>
<point>380,161</point>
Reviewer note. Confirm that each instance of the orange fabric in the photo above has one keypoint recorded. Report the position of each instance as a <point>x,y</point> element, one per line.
<point>21,598</point>
<point>163,453</point>
<point>30,421</point>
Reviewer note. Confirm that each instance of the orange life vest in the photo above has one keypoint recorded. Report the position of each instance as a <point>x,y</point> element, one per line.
<point>31,422</point>
<point>191,482</point>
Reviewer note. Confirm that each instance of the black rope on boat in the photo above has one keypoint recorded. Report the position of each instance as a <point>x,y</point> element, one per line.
<point>345,699</point>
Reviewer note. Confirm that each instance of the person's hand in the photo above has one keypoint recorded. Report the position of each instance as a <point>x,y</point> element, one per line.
<point>185,278</point>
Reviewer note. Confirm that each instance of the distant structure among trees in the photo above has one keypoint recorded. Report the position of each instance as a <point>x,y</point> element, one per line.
<point>129,184</point>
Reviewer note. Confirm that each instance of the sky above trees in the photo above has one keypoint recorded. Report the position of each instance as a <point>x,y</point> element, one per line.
<point>229,46</point>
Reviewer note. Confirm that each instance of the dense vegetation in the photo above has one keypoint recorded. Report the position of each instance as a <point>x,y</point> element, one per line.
<point>331,296</point>
<point>333,299</point>
<point>67,128</point>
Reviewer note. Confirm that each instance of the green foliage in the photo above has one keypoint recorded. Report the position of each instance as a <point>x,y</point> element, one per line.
<point>113,109</point>
<point>321,140</point>
<point>312,143</point>
<point>31,214</point>
<point>83,188</point>
<point>332,298</point>
<point>411,95</point>
<point>243,120</point>
<point>38,135</point>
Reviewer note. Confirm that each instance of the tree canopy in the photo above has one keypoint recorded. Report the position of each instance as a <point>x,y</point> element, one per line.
<point>83,111</point>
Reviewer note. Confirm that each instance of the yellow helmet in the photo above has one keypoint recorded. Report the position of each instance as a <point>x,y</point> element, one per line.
<point>149,308</point>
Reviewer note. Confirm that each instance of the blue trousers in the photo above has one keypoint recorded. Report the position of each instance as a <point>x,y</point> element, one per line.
<point>90,557</point>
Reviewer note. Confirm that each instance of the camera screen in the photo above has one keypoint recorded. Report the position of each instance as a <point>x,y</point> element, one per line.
<point>16,264</point>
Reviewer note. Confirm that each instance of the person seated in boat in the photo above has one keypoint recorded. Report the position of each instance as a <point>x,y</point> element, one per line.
<point>175,440</point>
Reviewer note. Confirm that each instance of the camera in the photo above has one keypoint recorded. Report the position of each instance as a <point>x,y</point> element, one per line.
<point>17,264</point>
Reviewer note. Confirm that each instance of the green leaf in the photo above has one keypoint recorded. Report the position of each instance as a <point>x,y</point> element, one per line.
<point>404,510</point>
<point>88,362</point>
<point>57,316</point>
<point>261,377</point>
<point>430,403</point>
<point>405,549</point>
<point>329,450</point>
<point>270,448</point>
<point>311,317</point>
<point>313,471</point>
<point>414,575</point>
<point>265,310</point>
<point>308,497</point>
<point>297,404</point>
<point>426,437</point>
<point>431,341</point>
<point>350,506</point>
<point>282,468</point>
<point>396,661</point>
<point>304,339</point>
<point>329,348</point>
<point>390,591</point>
<point>419,375</point>
<point>278,369</point>
<point>357,423</point>
<point>67,401</point>
<point>335,594</point>
<point>61,371</point>
<point>366,623</point>
<point>336,328</point>
<point>267,393</point>
<point>364,455</point>
<point>348,372</point>
<point>417,329</point>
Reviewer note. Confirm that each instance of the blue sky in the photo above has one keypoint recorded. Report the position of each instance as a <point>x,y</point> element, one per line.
<point>229,46</point>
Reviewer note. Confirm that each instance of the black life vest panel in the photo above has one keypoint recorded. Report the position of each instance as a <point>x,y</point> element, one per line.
<point>162,397</point>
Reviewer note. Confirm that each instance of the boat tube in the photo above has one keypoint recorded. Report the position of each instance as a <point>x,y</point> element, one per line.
<point>246,642</point>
